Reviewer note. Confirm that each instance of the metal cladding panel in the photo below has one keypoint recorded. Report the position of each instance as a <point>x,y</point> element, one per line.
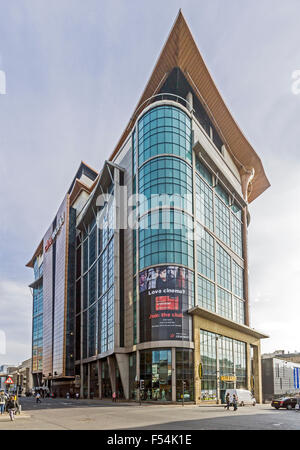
<point>54,293</point>
<point>60,293</point>
<point>47,305</point>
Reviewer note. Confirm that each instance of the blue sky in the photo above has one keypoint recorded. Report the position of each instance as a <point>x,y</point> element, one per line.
<point>75,71</point>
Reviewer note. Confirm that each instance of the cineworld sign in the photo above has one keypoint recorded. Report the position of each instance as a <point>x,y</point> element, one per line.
<point>59,225</point>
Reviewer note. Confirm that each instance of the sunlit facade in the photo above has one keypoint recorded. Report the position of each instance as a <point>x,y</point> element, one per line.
<point>160,263</point>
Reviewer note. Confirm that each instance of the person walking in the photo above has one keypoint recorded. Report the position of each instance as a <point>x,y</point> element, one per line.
<point>114,397</point>
<point>2,402</point>
<point>235,402</point>
<point>12,407</point>
<point>38,397</point>
<point>227,399</point>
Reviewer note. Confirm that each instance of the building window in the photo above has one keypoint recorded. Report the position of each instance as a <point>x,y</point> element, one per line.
<point>224,303</point>
<point>204,204</point>
<point>92,341</point>
<point>156,371</point>
<point>208,354</point>
<point>222,221</point>
<point>236,235</point>
<point>184,375</point>
<point>206,294</point>
<point>37,329</point>
<point>228,218</point>
<point>239,310</point>
<point>204,172</point>
<point>223,268</point>
<point>238,280</point>
<point>206,254</point>
<point>232,361</point>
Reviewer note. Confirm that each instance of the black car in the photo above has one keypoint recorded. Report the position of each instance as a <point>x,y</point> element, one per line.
<point>285,402</point>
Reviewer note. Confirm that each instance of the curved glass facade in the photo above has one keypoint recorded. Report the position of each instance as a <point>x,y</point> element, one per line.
<point>166,222</point>
<point>166,181</point>
<point>164,237</point>
<point>164,130</point>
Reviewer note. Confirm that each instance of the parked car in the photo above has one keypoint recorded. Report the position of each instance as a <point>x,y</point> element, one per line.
<point>244,397</point>
<point>284,402</point>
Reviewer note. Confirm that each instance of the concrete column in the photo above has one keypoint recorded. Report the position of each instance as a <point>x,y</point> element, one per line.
<point>249,371</point>
<point>173,374</point>
<point>195,236</point>
<point>99,364</point>
<point>246,276</point>
<point>81,380</point>
<point>123,365</point>
<point>189,99</point>
<point>112,372</point>
<point>197,360</point>
<point>138,373</point>
<point>257,373</point>
<point>89,381</point>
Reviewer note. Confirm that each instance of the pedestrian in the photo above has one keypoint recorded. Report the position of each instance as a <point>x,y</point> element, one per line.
<point>38,397</point>
<point>114,396</point>
<point>235,402</point>
<point>12,406</point>
<point>227,399</point>
<point>2,402</point>
<point>77,395</point>
<point>18,406</point>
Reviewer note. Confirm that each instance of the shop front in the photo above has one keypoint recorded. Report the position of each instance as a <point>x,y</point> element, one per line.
<point>167,375</point>
<point>223,357</point>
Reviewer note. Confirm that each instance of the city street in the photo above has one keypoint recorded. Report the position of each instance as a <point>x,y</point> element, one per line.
<point>63,414</point>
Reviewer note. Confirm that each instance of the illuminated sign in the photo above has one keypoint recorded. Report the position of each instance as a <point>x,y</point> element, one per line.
<point>58,227</point>
<point>228,378</point>
<point>165,296</point>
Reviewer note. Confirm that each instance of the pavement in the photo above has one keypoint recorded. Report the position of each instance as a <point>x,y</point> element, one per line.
<point>71,414</point>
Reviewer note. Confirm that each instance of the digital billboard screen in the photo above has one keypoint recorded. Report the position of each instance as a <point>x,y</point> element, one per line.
<point>166,294</point>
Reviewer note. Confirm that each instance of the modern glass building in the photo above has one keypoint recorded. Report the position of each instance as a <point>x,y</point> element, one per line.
<point>53,319</point>
<point>157,286</point>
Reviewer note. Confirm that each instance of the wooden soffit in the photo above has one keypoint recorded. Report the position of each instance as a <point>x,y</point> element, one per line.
<point>180,50</point>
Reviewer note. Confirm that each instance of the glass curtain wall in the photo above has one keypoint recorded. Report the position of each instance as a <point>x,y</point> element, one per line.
<point>95,254</point>
<point>166,183</point>
<point>37,329</point>
<point>156,371</point>
<point>219,231</point>
<point>184,375</point>
<point>227,354</point>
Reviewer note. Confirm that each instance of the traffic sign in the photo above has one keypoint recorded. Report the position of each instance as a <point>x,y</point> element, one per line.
<point>8,381</point>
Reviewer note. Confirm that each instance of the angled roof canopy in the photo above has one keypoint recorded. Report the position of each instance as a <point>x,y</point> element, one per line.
<point>181,51</point>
